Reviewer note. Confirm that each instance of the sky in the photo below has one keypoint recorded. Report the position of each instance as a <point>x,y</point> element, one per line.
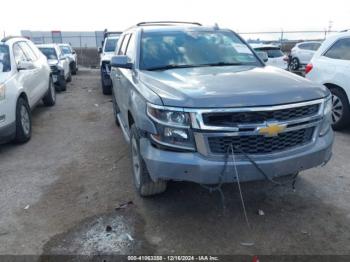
<point>241,16</point>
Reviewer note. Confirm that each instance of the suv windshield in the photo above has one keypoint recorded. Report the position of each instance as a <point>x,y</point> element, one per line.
<point>164,50</point>
<point>271,51</point>
<point>5,63</point>
<point>111,44</point>
<point>49,52</point>
<point>66,50</point>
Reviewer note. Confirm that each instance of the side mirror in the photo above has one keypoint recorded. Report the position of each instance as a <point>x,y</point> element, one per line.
<point>63,57</point>
<point>121,61</point>
<point>263,56</point>
<point>73,52</point>
<point>99,50</point>
<point>25,65</point>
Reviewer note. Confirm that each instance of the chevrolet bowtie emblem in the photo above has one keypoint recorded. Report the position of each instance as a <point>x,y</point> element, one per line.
<point>271,129</point>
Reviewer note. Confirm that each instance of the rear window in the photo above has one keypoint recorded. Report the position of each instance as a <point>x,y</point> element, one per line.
<point>5,62</point>
<point>271,52</point>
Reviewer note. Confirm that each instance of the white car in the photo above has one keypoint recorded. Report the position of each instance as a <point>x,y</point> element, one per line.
<point>25,79</point>
<point>330,66</point>
<point>59,64</point>
<point>302,53</point>
<point>69,52</point>
<point>106,53</point>
<point>274,54</point>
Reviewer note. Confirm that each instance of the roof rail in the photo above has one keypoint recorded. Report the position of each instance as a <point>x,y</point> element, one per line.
<point>166,23</point>
<point>5,39</point>
<point>346,30</point>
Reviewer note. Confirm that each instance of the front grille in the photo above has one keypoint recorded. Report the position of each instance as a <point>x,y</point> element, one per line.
<point>232,119</point>
<point>258,144</point>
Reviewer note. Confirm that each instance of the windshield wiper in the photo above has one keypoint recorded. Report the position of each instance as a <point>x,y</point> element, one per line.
<point>224,64</point>
<point>171,66</point>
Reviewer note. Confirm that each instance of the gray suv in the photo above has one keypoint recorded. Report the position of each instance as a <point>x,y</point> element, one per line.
<point>188,96</point>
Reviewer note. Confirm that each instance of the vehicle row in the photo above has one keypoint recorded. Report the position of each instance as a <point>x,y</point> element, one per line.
<point>30,74</point>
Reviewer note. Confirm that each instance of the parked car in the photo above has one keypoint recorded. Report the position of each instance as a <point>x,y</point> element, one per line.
<point>106,53</point>
<point>186,96</point>
<point>69,52</point>
<point>330,66</point>
<point>274,54</point>
<point>59,64</point>
<point>302,53</point>
<point>25,79</point>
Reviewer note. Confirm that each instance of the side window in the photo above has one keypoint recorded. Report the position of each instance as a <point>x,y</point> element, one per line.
<point>18,53</point>
<point>302,46</point>
<point>28,51</point>
<point>130,51</point>
<point>124,45</point>
<point>340,50</point>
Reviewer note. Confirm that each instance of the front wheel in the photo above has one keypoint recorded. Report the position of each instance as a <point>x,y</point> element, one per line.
<point>50,98</point>
<point>340,109</point>
<point>23,121</point>
<point>145,186</point>
<point>69,78</point>
<point>115,109</point>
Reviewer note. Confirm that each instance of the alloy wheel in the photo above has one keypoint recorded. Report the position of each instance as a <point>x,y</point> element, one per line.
<point>25,120</point>
<point>337,109</point>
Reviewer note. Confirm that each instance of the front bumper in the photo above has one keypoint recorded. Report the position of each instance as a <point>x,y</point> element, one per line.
<point>7,133</point>
<point>194,167</point>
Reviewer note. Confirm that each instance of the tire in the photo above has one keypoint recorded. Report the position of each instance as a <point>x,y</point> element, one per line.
<point>340,109</point>
<point>294,64</point>
<point>69,78</point>
<point>106,90</point>
<point>50,98</point>
<point>73,68</point>
<point>23,121</point>
<point>62,84</point>
<point>115,109</point>
<point>145,186</point>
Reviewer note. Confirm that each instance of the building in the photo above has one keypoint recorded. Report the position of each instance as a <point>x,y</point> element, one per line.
<point>77,39</point>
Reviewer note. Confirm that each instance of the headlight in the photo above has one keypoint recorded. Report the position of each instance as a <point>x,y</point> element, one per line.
<point>327,116</point>
<point>173,126</point>
<point>2,92</point>
<point>168,117</point>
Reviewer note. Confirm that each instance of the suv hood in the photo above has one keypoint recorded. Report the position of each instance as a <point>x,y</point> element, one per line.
<point>231,86</point>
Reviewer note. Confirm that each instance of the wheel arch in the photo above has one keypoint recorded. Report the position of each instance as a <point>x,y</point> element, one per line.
<point>331,86</point>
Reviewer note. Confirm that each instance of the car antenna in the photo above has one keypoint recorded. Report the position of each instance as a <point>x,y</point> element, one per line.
<point>216,26</point>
